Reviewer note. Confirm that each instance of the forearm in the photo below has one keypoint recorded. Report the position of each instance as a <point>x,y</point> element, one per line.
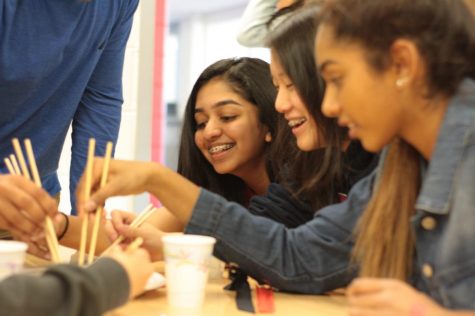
<point>177,194</point>
<point>72,237</point>
<point>165,221</point>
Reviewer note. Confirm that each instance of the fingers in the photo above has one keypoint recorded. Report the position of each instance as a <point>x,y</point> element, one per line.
<point>14,219</point>
<point>81,195</point>
<point>23,204</point>
<point>368,285</point>
<point>111,233</point>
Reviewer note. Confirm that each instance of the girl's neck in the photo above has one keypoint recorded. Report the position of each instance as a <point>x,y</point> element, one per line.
<point>257,179</point>
<point>422,125</point>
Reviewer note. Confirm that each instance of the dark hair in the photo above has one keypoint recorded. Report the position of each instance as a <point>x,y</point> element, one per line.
<point>443,30</point>
<point>251,79</point>
<point>444,33</point>
<point>319,173</point>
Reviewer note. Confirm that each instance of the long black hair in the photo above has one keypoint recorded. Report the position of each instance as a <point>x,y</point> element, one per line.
<point>318,174</point>
<point>251,79</point>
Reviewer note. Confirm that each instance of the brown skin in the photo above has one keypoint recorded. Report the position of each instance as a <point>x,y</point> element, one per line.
<point>381,297</point>
<point>24,207</point>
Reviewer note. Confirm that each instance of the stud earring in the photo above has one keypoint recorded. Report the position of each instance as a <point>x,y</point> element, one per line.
<point>268,137</point>
<point>401,82</point>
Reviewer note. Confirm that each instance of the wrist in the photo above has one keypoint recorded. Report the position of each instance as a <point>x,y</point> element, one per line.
<point>64,225</point>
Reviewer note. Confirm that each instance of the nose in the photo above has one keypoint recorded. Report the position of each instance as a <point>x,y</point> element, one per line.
<point>212,130</point>
<point>282,101</point>
<point>330,105</point>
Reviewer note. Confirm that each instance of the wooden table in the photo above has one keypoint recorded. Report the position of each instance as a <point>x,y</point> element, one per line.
<point>219,302</point>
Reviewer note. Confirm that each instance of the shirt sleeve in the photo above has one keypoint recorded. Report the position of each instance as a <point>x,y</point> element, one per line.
<point>99,111</point>
<point>312,258</point>
<point>66,290</point>
<point>253,24</point>
<point>281,206</point>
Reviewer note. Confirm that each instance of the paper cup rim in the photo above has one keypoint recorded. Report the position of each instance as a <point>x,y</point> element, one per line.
<point>187,239</point>
<point>12,246</point>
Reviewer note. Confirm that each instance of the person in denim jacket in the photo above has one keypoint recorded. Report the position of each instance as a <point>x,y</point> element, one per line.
<point>401,75</point>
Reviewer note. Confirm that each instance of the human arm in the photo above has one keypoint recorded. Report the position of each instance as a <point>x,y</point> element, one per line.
<point>133,177</point>
<point>99,112</point>
<point>253,24</point>
<point>370,296</point>
<point>312,258</point>
<point>71,232</point>
<point>71,290</point>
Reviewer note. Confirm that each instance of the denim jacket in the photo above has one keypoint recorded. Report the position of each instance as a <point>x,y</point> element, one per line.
<point>314,257</point>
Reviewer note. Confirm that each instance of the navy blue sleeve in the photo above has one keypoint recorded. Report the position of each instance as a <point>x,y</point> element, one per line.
<point>99,111</point>
<point>312,258</point>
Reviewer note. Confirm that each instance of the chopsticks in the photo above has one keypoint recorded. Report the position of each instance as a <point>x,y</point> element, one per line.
<point>87,194</point>
<point>99,211</point>
<point>137,222</point>
<point>13,168</point>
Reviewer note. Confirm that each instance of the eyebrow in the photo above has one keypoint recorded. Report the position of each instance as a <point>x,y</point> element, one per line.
<point>220,104</point>
<point>322,67</point>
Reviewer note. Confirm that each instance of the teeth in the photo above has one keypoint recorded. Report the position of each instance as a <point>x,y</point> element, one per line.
<point>220,148</point>
<point>297,122</point>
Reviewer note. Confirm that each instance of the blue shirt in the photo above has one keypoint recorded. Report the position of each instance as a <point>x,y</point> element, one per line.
<point>314,257</point>
<point>61,62</point>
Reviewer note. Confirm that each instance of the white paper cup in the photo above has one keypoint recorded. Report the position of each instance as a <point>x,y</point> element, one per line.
<point>186,267</point>
<point>12,257</point>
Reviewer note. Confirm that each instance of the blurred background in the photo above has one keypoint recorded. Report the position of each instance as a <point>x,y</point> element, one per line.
<point>170,44</point>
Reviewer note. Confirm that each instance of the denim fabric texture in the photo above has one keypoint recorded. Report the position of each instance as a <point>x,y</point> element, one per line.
<point>314,257</point>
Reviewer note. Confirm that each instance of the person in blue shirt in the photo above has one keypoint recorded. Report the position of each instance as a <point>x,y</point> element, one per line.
<point>61,64</point>
<point>401,75</point>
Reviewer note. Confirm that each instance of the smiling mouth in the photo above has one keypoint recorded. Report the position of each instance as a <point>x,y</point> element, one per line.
<point>296,123</point>
<point>220,148</point>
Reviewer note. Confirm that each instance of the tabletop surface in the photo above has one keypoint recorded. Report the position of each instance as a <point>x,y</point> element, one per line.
<point>220,302</point>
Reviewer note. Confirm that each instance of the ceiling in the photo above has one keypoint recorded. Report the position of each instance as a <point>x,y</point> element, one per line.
<point>180,9</point>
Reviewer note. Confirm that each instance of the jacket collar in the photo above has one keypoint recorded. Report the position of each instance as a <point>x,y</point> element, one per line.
<point>438,182</point>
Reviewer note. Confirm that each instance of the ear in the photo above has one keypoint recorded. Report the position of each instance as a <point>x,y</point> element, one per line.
<point>407,63</point>
<point>268,137</point>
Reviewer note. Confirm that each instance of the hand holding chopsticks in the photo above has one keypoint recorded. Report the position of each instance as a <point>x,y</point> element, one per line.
<point>14,168</point>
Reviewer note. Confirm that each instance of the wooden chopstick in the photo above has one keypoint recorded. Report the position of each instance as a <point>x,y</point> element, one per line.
<point>9,166</point>
<point>99,211</point>
<point>137,222</point>
<point>87,194</point>
<point>15,164</point>
<point>134,245</point>
<point>21,158</point>
<point>50,233</point>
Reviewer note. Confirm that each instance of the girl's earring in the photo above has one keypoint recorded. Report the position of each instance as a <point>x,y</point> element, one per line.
<point>401,82</point>
<point>268,137</point>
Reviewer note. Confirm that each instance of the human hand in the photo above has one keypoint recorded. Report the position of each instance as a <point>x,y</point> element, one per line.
<point>119,225</point>
<point>389,297</point>
<point>124,178</point>
<point>284,4</point>
<point>23,206</point>
<point>138,266</point>
<point>119,219</point>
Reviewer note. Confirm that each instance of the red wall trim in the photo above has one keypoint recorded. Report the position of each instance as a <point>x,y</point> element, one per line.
<point>158,112</point>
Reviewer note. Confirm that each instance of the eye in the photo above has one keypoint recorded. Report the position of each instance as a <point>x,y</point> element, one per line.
<point>200,125</point>
<point>228,118</point>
